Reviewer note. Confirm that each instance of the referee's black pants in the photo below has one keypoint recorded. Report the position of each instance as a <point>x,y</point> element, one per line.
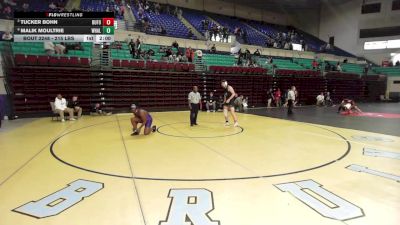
<point>193,113</point>
<point>290,106</point>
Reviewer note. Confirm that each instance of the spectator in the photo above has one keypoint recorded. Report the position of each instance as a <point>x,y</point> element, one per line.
<point>175,45</point>
<point>150,52</point>
<point>270,60</point>
<point>398,63</point>
<point>211,102</point>
<point>157,8</point>
<point>225,33</point>
<point>220,102</point>
<point>270,97</point>
<point>213,49</point>
<point>320,99</point>
<point>328,67</point>
<point>338,67</point>
<point>25,7</point>
<point>97,110</point>
<point>244,36</point>
<point>275,44</point>
<point>163,31</point>
<point>199,54</point>
<point>189,54</point>
<point>168,53</point>
<point>74,105</point>
<point>245,103</point>
<point>291,99</point>
<point>138,46</point>
<point>314,64</point>
<point>180,12</point>
<point>60,48</point>
<point>215,32</point>
<point>132,46</point>
<point>328,99</point>
<point>303,45</point>
<point>7,12</point>
<point>190,34</point>
<point>277,97</point>
<point>49,47</point>
<point>162,49</point>
<point>207,35</point>
<point>257,52</point>
<point>7,36</point>
<point>203,24</point>
<point>286,46</point>
<point>52,6</point>
<point>239,103</point>
<point>60,105</point>
<point>366,68</point>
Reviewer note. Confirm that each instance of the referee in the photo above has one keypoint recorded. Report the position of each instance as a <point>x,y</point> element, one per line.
<point>194,99</point>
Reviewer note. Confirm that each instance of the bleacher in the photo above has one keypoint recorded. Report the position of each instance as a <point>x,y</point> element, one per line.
<point>305,63</point>
<point>219,60</point>
<point>9,7</point>
<point>287,64</point>
<point>37,48</point>
<point>352,68</point>
<point>101,6</point>
<point>390,71</point>
<point>173,26</point>
<point>253,37</point>
<point>195,17</point>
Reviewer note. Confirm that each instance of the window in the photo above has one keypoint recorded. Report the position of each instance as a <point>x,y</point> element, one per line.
<point>371,8</point>
<point>380,32</point>
<point>372,45</point>
<point>396,5</point>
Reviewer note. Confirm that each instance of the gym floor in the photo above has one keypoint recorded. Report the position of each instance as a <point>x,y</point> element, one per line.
<point>316,167</point>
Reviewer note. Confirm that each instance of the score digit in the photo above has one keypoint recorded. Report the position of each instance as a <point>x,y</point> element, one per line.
<point>108,30</point>
<point>108,21</point>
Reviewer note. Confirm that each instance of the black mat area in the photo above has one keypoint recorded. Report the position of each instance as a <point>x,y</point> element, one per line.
<point>329,116</point>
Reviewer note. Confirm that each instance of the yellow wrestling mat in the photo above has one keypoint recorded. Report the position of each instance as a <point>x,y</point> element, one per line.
<point>268,171</point>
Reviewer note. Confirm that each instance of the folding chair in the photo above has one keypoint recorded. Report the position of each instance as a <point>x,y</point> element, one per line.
<point>55,113</point>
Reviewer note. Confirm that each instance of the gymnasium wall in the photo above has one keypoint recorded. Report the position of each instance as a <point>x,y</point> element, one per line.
<point>344,21</point>
<point>307,20</point>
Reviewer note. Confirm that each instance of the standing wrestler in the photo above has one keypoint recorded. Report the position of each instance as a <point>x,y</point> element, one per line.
<point>229,104</point>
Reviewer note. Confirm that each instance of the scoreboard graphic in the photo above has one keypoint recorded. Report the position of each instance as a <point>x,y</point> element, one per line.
<point>64,26</point>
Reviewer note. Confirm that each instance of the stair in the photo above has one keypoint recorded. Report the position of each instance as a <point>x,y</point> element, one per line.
<point>194,30</point>
<point>101,84</point>
<point>129,18</point>
<point>199,65</point>
<point>121,24</point>
<point>101,58</point>
<point>105,58</point>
